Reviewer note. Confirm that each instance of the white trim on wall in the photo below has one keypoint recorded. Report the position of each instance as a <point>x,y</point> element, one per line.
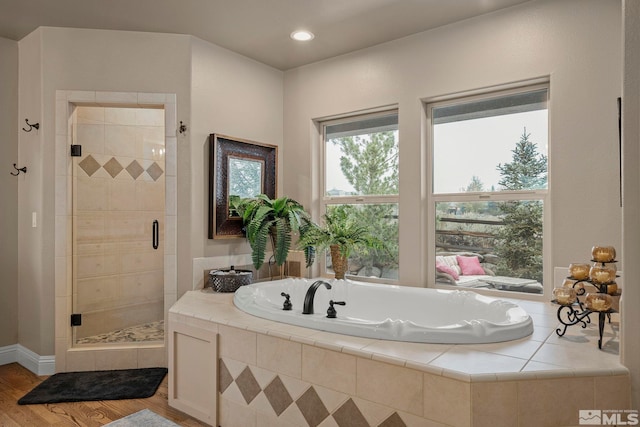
<point>8,354</point>
<point>69,359</point>
<point>39,365</point>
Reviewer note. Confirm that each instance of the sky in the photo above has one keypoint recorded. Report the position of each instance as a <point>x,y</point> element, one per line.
<point>464,149</point>
<point>334,178</point>
<point>476,147</point>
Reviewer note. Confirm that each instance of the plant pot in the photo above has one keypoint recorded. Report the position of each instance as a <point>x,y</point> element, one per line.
<point>339,262</point>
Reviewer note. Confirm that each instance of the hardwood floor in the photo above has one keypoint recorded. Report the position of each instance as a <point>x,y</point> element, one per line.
<point>16,381</point>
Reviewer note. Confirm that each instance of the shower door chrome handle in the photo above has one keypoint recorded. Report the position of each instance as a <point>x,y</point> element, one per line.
<point>155,234</point>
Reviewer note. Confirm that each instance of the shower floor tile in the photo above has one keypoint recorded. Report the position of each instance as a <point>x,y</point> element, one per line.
<point>152,331</point>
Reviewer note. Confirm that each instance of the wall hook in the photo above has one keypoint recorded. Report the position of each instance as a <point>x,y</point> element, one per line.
<point>22,169</point>
<point>183,128</point>
<point>31,126</point>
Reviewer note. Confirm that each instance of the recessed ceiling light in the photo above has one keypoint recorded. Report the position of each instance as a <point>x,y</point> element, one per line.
<point>302,35</point>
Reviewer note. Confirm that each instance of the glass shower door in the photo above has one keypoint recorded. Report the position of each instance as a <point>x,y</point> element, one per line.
<point>118,223</point>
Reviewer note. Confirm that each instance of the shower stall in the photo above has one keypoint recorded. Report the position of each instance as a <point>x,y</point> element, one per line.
<point>118,214</point>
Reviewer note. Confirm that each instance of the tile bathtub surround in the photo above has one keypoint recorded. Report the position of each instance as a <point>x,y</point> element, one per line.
<point>319,377</point>
<point>300,402</point>
<point>279,355</point>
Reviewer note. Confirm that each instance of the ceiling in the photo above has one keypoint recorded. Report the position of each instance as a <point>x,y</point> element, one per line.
<point>258,29</point>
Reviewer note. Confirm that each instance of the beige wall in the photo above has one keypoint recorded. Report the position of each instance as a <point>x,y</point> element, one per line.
<point>77,60</point>
<point>9,192</point>
<point>232,94</point>
<point>537,39</point>
<point>630,342</point>
<point>35,244</point>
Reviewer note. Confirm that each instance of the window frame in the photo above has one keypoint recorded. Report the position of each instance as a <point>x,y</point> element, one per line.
<point>434,198</point>
<point>325,201</point>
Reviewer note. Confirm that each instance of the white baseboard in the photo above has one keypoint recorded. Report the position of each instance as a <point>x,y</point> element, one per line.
<point>39,365</point>
<point>8,354</point>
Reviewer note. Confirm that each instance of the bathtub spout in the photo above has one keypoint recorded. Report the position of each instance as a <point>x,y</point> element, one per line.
<point>311,293</point>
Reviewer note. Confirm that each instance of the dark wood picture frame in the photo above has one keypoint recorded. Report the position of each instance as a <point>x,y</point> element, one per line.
<point>221,147</point>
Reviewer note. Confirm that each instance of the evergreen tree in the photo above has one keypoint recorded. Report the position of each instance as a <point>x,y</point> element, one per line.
<point>519,243</point>
<point>528,169</point>
<point>370,164</point>
<point>475,186</point>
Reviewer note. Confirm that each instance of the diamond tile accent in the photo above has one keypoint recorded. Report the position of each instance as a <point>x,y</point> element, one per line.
<point>394,420</point>
<point>113,167</point>
<point>248,385</point>
<point>225,379</point>
<point>348,415</point>
<point>89,165</point>
<point>155,171</point>
<point>278,396</point>
<point>135,169</point>
<point>311,407</point>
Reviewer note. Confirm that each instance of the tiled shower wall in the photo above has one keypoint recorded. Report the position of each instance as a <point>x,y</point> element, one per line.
<point>119,191</point>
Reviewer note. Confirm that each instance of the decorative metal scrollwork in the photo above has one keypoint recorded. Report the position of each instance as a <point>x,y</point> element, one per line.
<point>572,317</point>
<point>35,126</point>
<point>22,169</point>
<point>576,313</point>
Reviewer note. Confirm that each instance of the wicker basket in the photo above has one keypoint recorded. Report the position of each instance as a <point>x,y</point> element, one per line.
<point>229,280</point>
<point>339,262</point>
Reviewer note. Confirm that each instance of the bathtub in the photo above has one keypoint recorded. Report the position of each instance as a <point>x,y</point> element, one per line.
<point>390,312</point>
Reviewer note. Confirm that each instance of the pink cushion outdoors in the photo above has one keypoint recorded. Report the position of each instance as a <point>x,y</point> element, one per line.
<point>470,265</point>
<point>443,268</point>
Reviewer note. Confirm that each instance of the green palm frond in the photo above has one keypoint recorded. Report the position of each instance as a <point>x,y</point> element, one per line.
<point>294,220</point>
<point>307,231</point>
<point>283,240</point>
<point>259,244</point>
<point>309,255</point>
<point>260,214</point>
<point>340,229</point>
<point>280,205</point>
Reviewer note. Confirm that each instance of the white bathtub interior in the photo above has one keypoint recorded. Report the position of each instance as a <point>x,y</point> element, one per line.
<point>390,312</point>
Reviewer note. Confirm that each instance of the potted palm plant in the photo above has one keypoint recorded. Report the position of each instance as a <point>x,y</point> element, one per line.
<point>271,219</point>
<point>341,234</point>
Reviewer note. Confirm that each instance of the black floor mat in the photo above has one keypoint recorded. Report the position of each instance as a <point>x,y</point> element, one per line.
<point>96,385</point>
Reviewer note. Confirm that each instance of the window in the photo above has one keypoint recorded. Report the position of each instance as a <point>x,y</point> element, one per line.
<point>490,187</point>
<point>360,177</point>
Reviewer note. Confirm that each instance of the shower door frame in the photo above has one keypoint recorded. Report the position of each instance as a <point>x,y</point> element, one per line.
<point>67,357</point>
<point>118,276</point>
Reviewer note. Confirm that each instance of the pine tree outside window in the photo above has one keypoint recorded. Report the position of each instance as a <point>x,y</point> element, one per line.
<point>489,185</point>
<point>360,165</point>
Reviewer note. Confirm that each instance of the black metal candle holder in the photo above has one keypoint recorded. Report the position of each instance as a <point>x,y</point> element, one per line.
<point>577,313</point>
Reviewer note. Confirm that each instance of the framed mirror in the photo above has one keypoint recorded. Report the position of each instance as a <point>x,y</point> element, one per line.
<point>237,169</point>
